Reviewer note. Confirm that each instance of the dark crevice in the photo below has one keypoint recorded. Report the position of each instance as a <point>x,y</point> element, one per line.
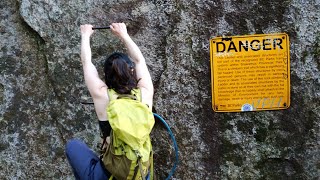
<point>42,55</point>
<point>42,51</point>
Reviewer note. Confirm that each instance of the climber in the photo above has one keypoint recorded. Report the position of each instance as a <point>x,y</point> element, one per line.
<point>122,75</point>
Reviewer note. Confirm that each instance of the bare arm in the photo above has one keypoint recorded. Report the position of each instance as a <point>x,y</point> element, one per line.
<point>145,83</point>
<point>96,86</point>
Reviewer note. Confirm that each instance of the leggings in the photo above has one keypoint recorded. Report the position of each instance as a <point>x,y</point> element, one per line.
<point>86,165</point>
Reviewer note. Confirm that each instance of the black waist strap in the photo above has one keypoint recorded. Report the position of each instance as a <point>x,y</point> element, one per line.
<point>105,128</point>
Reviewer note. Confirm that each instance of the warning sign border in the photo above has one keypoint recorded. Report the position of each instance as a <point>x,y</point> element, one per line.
<point>286,106</point>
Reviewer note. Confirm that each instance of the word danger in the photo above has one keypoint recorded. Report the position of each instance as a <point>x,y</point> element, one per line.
<point>254,45</point>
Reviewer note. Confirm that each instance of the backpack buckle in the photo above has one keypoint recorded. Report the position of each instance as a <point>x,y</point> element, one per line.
<point>137,154</point>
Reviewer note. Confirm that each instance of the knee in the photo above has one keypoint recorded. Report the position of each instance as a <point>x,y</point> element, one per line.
<point>72,145</point>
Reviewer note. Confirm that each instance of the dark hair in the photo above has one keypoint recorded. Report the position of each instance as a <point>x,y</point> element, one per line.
<point>120,73</point>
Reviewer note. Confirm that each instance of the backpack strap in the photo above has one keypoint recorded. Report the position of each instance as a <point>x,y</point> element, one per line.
<point>141,170</point>
<point>151,170</point>
<point>135,171</point>
<point>140,167</point>
<point>112,94</point>
<point>151,165</point>
<point>134,94</point>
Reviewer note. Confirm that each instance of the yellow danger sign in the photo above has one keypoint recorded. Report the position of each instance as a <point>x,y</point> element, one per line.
<point>250,73</point>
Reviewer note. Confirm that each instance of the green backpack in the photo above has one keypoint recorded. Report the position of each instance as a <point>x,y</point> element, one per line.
<point>130,146</point>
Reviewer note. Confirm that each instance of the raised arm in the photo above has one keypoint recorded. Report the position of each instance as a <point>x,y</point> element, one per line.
<point>96,86</point>
<point>145,82</point>
<point>91,77</point>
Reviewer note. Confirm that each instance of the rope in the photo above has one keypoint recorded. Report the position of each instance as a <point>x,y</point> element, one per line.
<point>174,144</point>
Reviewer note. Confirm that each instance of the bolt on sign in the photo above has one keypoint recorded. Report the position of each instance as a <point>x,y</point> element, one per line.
<point>250,73</point>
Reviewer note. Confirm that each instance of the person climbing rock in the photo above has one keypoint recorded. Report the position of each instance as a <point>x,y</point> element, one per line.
<point>125,74</point>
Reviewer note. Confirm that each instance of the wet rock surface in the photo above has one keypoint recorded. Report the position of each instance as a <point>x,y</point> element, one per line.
<point>42,86</point>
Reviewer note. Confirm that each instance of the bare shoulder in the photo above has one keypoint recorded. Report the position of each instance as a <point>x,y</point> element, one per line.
<point>147,96</point>
<point>102,94</point>
<point>101,101</point>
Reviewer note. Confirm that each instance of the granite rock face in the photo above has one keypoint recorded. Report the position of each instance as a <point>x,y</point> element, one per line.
<point>42,86</point>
